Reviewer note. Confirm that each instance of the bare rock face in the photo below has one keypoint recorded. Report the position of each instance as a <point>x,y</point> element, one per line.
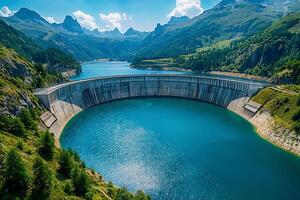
<point>276,134</point>
<point>15,69</point>
<point>13,65</point>
<point>16,77</point>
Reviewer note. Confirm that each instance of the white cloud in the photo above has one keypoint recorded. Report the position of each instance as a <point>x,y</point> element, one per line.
<point>85,20</point>
<point>190,8</point>
<point>51,20</point>
<point>114,20</point>
<point>6,12</point>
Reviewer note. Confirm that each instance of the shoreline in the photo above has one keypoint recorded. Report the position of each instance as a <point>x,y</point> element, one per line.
<point>239,75</point>
<point>278,136</point>
<point>263,137</point>
<point>217,73</point>
<point>161,68</point>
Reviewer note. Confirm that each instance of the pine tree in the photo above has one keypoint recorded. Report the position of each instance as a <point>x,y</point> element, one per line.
<point>16,179</point>
<point>12,125</point>
<point>47,146</point>
<point>66,164</point>
<point>140,195</point>
<point>123,194</point>
<point>28,120</point>
<point>42,180</point>
<point>81,181</point>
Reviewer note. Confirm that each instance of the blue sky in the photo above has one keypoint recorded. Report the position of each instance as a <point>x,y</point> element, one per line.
<point>108,14</point>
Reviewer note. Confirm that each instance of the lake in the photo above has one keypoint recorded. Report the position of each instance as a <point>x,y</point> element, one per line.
<point>178,149</point>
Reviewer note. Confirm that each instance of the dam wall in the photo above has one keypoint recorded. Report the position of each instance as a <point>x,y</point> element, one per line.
<point>66,100</point>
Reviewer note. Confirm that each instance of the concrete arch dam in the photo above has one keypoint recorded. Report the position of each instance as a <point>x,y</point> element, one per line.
<point>66,100</point>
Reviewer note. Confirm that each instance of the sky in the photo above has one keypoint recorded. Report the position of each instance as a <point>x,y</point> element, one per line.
<point>106,15</point>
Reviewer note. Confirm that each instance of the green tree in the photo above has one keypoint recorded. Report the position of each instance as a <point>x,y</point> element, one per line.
<point>42,180</point>
<point>40,69</point>
<point>123,194</point>
<point>81,181</point>
<point>39,82</point>
<point>12,125</point>
<point>47,147</point>
<point>110,189</point>
<point>16,179</point>
<point>67,164</point>
<point>296,115</point>
<point>27,119</point>
<point>297,127</point>
<point>140,195</point>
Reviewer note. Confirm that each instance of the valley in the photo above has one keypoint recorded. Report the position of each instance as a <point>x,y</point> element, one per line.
<point>61,138</point>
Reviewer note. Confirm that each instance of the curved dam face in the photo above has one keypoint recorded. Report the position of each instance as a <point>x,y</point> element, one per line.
<point>66,100</point>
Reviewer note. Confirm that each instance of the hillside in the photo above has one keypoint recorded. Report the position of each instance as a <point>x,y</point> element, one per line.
<point>227,20</point>
<point>31,167</point>
<point>70,37</point>
<point>283,104</point>
<point>54,60</point>
<point>275,52</point>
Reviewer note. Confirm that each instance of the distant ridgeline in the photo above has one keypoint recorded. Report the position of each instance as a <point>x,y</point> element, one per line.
<point>233,36</point>
<point>275,53</point>
<point>31,167</point>
<point>55,61</point>
<point>69,36</point>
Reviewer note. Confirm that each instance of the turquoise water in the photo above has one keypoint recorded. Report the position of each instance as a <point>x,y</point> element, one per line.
<point>97,69</point>
<point>181,149</point>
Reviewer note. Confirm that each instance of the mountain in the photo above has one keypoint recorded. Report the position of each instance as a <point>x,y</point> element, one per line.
<point>26,14</point>
<point>24,46</point>
<point>274,52</point>
<point>29,22</point>
<point>17,41</point>
<point>72,25</point>
<point>178,20</point>
<point>70,37</point>
<point>227,20</point>
<point>113,34</point>
<point>32,167</point>
<point>132,33</point>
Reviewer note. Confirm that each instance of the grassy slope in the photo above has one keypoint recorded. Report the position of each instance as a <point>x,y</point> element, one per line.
<point>169,62</point>
<point>227,20</point>
<point>29,153</point>
<point>55,60</point>
<point>31,143</point>
<point>17,81</point>
<point>273,52</point>
<point>282,104</point>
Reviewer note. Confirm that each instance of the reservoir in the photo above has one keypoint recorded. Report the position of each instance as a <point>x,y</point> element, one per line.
<point>181,149</point>
<point>97,69</point>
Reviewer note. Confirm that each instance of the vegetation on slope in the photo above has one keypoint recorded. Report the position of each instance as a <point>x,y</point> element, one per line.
<point>283,104</point>
<point>275,52</point>
<point>70,37</point>
<point>54,60</point>
<point>229,19</point>
<point>31,167</point>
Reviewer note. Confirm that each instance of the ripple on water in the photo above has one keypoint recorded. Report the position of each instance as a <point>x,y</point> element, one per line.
<point>181,149</point>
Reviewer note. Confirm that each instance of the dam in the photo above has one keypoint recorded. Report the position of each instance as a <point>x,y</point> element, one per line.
<point>66,100</point>
<point>174,148</point>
